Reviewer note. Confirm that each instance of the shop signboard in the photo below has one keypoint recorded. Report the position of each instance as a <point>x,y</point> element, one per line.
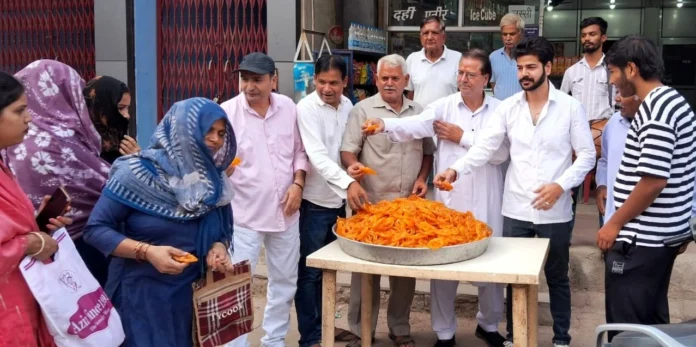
<point>410,13</point>
<point>527,12</point>
<point>483,13</point>
<point>531,30</point>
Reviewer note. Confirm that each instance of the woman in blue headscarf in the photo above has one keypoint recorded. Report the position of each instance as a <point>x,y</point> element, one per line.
<point>165,202</point>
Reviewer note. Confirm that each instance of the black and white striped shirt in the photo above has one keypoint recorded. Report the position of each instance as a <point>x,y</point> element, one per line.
<point>661,142</point>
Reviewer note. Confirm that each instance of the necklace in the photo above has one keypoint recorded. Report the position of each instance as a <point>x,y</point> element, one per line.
<point>535,114</point>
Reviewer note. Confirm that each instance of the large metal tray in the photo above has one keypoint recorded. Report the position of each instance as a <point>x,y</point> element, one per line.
<point>411,256</point>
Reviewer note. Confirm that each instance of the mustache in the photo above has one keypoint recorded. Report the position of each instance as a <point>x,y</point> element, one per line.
<point>389,88</point>
<point>523,79</point>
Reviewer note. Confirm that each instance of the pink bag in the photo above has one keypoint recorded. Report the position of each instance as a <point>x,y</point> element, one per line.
<point>76,309</point>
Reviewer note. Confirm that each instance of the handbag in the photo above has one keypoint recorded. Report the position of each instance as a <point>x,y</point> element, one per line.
<point>77,311</point>
<point>223,308</point>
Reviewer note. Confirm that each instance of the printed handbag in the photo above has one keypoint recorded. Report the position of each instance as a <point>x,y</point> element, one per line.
<point>222,304</point>
<point>76,309</point>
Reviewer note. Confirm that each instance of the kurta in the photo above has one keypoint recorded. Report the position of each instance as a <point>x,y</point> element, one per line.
<point>482,191</point>
<point>156,309</point>
<point>21,323</point>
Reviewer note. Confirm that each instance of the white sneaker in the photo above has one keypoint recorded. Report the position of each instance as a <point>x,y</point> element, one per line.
<point>559,345</point>
<point>508,344</point>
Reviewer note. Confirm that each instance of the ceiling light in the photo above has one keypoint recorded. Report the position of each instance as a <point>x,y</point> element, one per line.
<point>612,1</point>
<point>550,8</point>
<point>612,6</point>
<point>679,4</point>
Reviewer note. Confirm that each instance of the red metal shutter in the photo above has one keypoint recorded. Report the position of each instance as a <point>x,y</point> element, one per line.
<point>201,42</point>
<point>47,29</point>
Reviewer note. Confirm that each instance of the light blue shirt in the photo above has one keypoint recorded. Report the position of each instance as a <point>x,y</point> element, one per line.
<point>613,143</point>
<point>504,75</point>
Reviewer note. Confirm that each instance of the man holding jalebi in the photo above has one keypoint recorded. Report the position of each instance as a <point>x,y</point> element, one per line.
<point>481,192</point>
<point>401,169</point>
<point>544,126</point>
<point>321,118</point>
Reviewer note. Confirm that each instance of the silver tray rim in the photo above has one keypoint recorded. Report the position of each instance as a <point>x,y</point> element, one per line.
<point>486,240</point>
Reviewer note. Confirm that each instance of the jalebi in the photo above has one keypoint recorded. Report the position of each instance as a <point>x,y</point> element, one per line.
<point>368,171</point>
<point>443,185</point>
<point>412,222</point>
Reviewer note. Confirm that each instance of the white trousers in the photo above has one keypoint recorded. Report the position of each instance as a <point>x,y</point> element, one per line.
<point>282,259</point>
<point>444,319</point>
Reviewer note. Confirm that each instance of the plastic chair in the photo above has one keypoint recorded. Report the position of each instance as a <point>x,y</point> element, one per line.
<point>635,335</point>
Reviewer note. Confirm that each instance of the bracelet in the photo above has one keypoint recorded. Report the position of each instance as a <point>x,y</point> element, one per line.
<point>297,184</point>
<point>136,251</point>
<point>43,244</point>
<point>144,257</point>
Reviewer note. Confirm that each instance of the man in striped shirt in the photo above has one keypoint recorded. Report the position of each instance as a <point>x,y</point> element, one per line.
<point>653,191</point>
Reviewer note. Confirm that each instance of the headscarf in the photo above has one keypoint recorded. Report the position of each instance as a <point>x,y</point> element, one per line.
<point>62,146</point>
<point>102,95</point>
<point>177,177</point>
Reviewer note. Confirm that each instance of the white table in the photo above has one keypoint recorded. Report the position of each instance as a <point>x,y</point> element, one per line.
<point>517,261</point>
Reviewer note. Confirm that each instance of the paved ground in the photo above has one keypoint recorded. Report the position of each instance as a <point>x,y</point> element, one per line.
<point>583,326</point>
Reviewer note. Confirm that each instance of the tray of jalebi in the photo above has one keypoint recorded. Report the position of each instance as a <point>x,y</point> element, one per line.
<point>412,231</point>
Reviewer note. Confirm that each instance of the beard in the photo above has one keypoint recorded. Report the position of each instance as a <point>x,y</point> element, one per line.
<point>591,48</point>
<point>535,83</point>
<point>625,87</point>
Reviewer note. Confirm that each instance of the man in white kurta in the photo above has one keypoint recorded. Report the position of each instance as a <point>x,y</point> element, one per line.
<point>456,121</point>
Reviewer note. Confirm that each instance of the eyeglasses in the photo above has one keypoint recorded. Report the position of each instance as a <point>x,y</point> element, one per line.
<point>469,75</point>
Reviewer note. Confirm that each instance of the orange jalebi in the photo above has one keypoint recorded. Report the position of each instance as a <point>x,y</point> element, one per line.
<point>412,222</point>
<point>236,161</point>
<point>443,185</point>
<point>368,171</point>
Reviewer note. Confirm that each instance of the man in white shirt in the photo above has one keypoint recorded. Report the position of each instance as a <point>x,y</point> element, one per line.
<point>456,120</point>
<point>588,79</point>
<point>321,119</point>
<point>433,69</point>
<point>544,127</point>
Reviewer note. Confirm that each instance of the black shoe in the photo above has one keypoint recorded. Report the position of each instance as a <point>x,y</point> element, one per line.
<point>492,339</point>
<point>446,343</point>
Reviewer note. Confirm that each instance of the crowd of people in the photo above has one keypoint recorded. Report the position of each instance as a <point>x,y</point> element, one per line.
<point>515,160</point>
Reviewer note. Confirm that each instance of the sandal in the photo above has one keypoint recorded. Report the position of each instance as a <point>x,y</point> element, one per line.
<point>402,341</point>
<point>342,335</point>
<point>356,342</point>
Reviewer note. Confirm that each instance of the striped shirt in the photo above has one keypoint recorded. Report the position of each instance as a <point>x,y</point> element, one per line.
<point>591,87</point>
<point>661,143</point>
<point>504,75</point>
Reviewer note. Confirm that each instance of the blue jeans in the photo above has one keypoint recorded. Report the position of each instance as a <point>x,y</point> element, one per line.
<point>315,233</point>
<point>556,271</point>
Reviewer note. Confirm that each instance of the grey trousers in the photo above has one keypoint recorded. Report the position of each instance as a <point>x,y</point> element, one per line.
<point>398,310</point>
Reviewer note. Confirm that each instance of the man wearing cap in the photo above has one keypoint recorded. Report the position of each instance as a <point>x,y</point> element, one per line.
<point>268,186</point>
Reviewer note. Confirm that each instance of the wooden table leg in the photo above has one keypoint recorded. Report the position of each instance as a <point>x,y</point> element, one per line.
<point>366,310</point>
<point>328,314</point>
<point>519,315</point>
<point>532,314</point>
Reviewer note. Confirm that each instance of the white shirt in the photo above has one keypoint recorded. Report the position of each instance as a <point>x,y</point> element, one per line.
<point>591,87</point>
<point>430,81</point>
<point>321,128</point>
<point>539,154</point>
<point>482,192</point>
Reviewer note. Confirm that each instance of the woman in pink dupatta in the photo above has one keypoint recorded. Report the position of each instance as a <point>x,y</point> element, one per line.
<point>21,322</point>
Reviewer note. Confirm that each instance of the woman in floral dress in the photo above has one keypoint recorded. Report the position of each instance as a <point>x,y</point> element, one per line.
<point>62,148</point>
